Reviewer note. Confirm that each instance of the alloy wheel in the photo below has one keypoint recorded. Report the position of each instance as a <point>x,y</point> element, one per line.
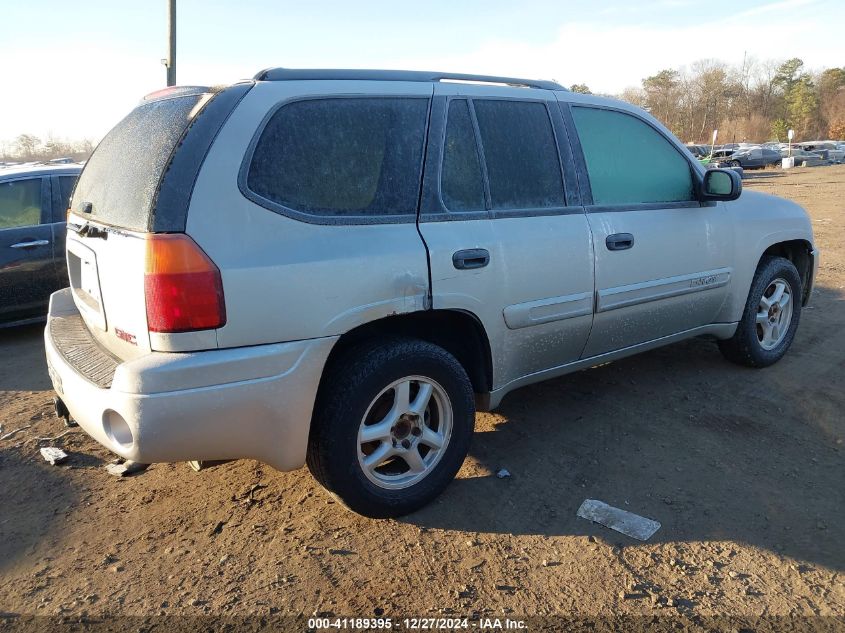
<point>404,432</point>
<point>774,314</point>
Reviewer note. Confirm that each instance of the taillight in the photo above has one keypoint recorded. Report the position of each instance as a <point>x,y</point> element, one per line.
<point>182,286</point>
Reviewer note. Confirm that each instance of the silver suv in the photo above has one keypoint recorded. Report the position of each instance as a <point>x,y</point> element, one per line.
<point>339,268</point>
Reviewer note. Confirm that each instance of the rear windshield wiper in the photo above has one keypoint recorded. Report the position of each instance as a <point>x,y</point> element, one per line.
<point>88,230</point>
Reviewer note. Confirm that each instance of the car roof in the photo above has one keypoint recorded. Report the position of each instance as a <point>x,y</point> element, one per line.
<point>321,74</point>
<point>40,170</point>
<point>493,81</point>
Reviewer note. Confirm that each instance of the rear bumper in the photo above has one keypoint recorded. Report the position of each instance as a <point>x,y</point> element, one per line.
<point>251,402</point>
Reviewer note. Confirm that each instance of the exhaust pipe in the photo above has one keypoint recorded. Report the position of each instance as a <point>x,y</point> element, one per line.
<point>62,412</point>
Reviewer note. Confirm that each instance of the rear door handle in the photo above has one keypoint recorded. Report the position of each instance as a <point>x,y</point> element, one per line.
<point>471,258</point>
<point>619,241</point>
<point>30,244</point>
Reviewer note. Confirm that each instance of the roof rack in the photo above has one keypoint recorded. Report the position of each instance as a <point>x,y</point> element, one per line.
<point>294,74</point>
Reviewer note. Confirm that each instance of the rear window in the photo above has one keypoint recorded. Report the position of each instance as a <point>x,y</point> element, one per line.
<point>66,184</point>
<point>121,178</point>
<point>342,157</point>
<point>460,181</point>
<point>521,155</point>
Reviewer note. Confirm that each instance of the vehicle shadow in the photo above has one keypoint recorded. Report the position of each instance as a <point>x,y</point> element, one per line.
<point>34,497</point>
<point>24,367</point>
<point>711,450</point>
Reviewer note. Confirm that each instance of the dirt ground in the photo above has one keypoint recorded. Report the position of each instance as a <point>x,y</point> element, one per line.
<point>745,469</point>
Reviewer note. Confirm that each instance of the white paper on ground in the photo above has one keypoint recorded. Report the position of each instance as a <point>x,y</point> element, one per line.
<point>627,523</point>
<point>53,455</point>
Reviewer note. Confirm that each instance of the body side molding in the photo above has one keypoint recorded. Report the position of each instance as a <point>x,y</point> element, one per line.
<point>634,294</point>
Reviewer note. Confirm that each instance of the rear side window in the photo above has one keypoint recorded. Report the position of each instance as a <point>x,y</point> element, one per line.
<point>342,157</point>
<point>20,203</point>
<point>66,184</point>
<point>520,153</point>
<point>461,185</point>
<point>121,178</point>
<point>628,161</point>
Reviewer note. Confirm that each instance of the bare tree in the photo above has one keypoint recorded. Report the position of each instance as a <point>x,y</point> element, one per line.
<point>750,102</point>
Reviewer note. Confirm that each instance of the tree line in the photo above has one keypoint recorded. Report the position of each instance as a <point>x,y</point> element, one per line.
<point>28,148</point>
<point>757,101</point>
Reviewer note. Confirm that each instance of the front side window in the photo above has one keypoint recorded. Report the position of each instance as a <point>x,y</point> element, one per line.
<point>342,157</point>
<point>628,161</point>
<point>461,183</point>
<point>20,203</point>
<point>519,148</point>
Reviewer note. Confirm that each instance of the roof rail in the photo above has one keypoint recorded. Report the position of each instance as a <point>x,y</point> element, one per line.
<point>294,74</point>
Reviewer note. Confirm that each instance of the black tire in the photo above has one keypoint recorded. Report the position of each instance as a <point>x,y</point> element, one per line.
<point>349,386</point>
<point>745,348</point>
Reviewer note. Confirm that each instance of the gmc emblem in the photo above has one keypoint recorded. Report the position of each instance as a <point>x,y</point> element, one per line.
<point>125,336</point>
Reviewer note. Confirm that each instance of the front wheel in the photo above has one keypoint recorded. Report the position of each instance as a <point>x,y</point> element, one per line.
<point>771,316</point>
<point>392,426</point>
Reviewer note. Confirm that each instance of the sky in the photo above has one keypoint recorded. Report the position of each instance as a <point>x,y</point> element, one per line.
<point>74,69</point>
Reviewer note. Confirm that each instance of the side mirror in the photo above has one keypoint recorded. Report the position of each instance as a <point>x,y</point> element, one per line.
<point>721,184</point>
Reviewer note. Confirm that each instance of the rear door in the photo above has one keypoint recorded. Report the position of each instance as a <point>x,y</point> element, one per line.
<point>507,240</point>
<point>662,259</point>
<point>27,273</point>
<point>62,186</point>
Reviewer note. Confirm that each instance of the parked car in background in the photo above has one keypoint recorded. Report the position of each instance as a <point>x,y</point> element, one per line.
<point>752,158</point>
<point>699,151</point>
<point>825,149</point>
<point>720,153</point>
<point>33,206</point>
<point>804,158</point>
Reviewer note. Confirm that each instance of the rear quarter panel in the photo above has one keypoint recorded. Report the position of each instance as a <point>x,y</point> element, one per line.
<point>286,279</point>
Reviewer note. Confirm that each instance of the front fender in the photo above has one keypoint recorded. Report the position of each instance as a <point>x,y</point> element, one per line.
<point>760,222</point>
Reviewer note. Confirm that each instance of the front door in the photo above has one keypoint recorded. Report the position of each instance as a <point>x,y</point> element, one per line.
<point>27,272</point>
<point>663,259</point>
<point>507,240</point>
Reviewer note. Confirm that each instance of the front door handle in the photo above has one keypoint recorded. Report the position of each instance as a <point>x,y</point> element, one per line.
<point>619,241</point>
<point>471,258</point>
<point>30,244</point>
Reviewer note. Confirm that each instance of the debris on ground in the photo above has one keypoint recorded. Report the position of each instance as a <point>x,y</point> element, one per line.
<point>49,439</point>
<point>124,469</point>
<point>53,455</point>
<point>622,521</point>
<point>503,473</point>
<point>15,432</point>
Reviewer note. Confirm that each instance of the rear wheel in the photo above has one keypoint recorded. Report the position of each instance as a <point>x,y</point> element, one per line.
<point>771,316</point>
<point>392,426</point>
